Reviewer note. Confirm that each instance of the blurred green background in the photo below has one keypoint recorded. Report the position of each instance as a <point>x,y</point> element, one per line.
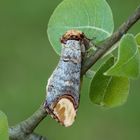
<point>27,60</point>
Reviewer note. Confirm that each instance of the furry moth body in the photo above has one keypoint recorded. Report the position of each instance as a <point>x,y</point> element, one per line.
<point>63,86</point>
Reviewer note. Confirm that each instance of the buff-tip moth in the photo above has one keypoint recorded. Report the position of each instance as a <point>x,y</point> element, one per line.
<point>63,86</point>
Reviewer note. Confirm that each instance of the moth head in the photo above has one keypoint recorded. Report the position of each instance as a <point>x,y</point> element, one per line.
<point>72,35</point>
<point>64,112</point>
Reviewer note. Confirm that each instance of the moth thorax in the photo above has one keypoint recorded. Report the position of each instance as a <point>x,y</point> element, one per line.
<point>73,44</point>
<point>65,112</point>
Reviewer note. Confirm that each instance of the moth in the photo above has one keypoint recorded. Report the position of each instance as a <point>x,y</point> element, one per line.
<point>63,88</point>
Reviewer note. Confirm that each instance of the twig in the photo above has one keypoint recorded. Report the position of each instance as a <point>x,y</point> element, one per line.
<point>24,130</point>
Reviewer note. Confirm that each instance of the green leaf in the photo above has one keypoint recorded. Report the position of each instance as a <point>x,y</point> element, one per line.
<point>108,91</point>
<point>128,62</point>
<point>117,91</point>
<point>137,37</point>
<point>93,17</point>
<point>3,127</point>
<point>89,74</point>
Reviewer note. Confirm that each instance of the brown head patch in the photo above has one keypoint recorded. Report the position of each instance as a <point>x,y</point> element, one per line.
<point>72,35</point>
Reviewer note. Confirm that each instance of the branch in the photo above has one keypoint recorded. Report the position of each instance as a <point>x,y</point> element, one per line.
<point>24,130</point>
<point>104,47</point>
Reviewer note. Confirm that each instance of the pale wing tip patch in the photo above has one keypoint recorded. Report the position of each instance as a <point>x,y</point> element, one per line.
<point>65,112</point>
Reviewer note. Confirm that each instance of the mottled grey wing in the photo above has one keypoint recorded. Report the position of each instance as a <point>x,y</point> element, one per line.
<point>64,84</point>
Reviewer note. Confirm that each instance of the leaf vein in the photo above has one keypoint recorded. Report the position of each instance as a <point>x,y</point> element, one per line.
<point>128,59</point>
<point>90,27</point>
<point>108,83</point>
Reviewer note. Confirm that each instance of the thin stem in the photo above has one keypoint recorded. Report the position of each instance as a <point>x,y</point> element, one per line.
<point>24,130</point>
